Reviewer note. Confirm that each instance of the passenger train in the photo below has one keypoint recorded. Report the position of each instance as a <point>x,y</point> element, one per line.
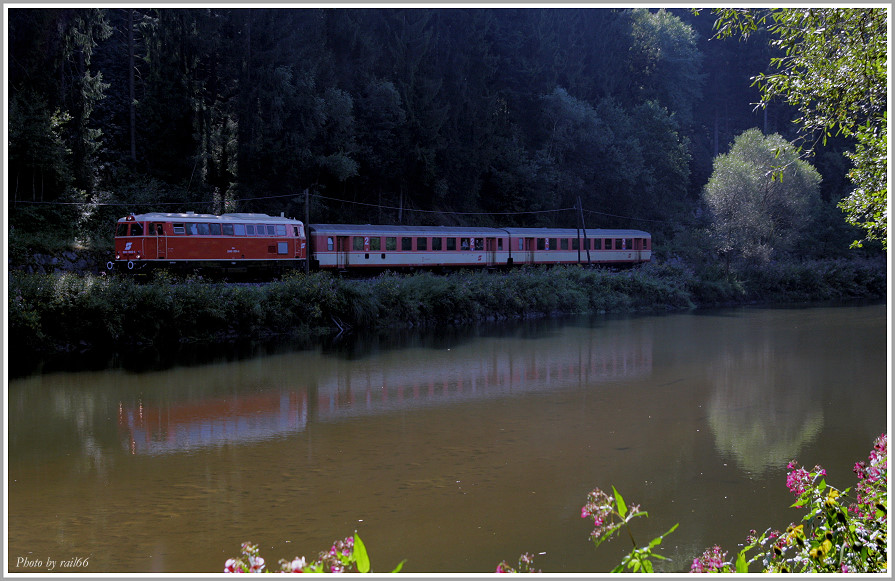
<point>256,242</point>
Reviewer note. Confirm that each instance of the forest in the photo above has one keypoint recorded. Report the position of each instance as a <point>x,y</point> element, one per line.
<point>455,116</point>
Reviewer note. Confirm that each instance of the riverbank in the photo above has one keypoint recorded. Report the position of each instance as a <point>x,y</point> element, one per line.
<point>62,312</point>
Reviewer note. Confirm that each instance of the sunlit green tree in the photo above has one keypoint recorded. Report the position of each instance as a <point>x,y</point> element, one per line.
<point>762,197</point>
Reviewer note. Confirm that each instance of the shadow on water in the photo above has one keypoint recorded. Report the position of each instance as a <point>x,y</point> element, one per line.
<point>349,346</point>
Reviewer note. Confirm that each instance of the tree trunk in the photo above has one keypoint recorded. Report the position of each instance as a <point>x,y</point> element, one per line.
<point>131,89</point>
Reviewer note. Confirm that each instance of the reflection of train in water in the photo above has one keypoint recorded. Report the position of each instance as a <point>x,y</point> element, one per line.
<point>259,241</point>
<point>362,388</point>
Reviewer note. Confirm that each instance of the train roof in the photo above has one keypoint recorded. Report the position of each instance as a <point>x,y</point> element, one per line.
<point>567,232</point>
<point>186,216</point>
<point>366,229</point>
<point>362,229</point>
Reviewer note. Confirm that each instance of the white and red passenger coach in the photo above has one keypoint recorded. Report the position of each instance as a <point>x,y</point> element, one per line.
<point>209,241</point>
<point>356,246</point>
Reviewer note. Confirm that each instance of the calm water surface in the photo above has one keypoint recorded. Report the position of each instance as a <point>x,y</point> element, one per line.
<point>454,452</point>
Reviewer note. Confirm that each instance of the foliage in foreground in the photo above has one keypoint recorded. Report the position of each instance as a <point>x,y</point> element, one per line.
<point>832,537</point>
<point>348,555</point>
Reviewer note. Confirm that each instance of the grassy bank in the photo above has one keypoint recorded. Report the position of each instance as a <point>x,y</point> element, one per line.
<point>57,312</point>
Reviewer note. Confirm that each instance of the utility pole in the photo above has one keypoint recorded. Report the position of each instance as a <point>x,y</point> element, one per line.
<point>307,232</point>
<point>583,228</point>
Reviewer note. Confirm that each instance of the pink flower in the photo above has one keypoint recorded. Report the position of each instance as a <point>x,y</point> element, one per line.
<point>230,567</point>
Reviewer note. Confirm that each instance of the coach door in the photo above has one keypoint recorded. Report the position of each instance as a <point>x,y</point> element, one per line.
<point>491,250</point>
<point>342,248</point>
<point>530,245</point>
<point>157,229</point>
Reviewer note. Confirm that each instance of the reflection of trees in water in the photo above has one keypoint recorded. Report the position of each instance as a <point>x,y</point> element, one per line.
<point>762,411</point>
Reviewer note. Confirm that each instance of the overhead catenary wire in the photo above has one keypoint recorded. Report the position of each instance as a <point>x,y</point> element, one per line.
<point>322,197</point>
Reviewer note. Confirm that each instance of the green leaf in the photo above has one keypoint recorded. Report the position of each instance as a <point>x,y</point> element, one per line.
<point>622,509</point>
<point>742,566</point>
<point>399,567</point>
<point>360,555</point>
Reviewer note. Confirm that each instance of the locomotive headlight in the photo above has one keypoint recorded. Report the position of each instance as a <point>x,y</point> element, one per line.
<point>117,256</point>
<point>138,256</point>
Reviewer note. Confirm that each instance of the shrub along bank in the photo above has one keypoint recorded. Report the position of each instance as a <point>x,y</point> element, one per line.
<point>59,312</point>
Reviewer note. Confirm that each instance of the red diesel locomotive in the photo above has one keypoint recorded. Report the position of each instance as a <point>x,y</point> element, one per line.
<point>258,241</point>
<point>208,241</point>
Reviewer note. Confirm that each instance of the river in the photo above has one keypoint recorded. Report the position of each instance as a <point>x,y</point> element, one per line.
<point>453,451</point>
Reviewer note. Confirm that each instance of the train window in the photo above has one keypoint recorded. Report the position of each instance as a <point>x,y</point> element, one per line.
<point>391,243</point>
<point>357,243</point>
<point>479,243</point>
<point>406,243</point>
<point>295,231</point>
<point>179,229</point>
<point>553,245</point>
<point>436,244</point>
<point>541,243</point>
<point>500,243</point>
<point>521,244</point>
<point>422,244</point>
<point>628,243</point>
<point>214,229</point>
<point>227,229</point>
<point>239,229</point>
<point>464,244</point>
<point>281,229</point>
<point>329,243</point>
<point>250,229</point>
<point>122,229</point>
<point>283,247</point>
<point>618,244</point>
<point>451,243</point>
<point>259,229</point>
<point>375,243</point>
<point>271,230</point>
<point>576,242</point>
<point>203,228</point>
<point>564,244</point>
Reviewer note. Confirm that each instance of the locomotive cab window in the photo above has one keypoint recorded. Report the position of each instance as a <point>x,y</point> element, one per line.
<point>121,230</point>
<point>136,229</point>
